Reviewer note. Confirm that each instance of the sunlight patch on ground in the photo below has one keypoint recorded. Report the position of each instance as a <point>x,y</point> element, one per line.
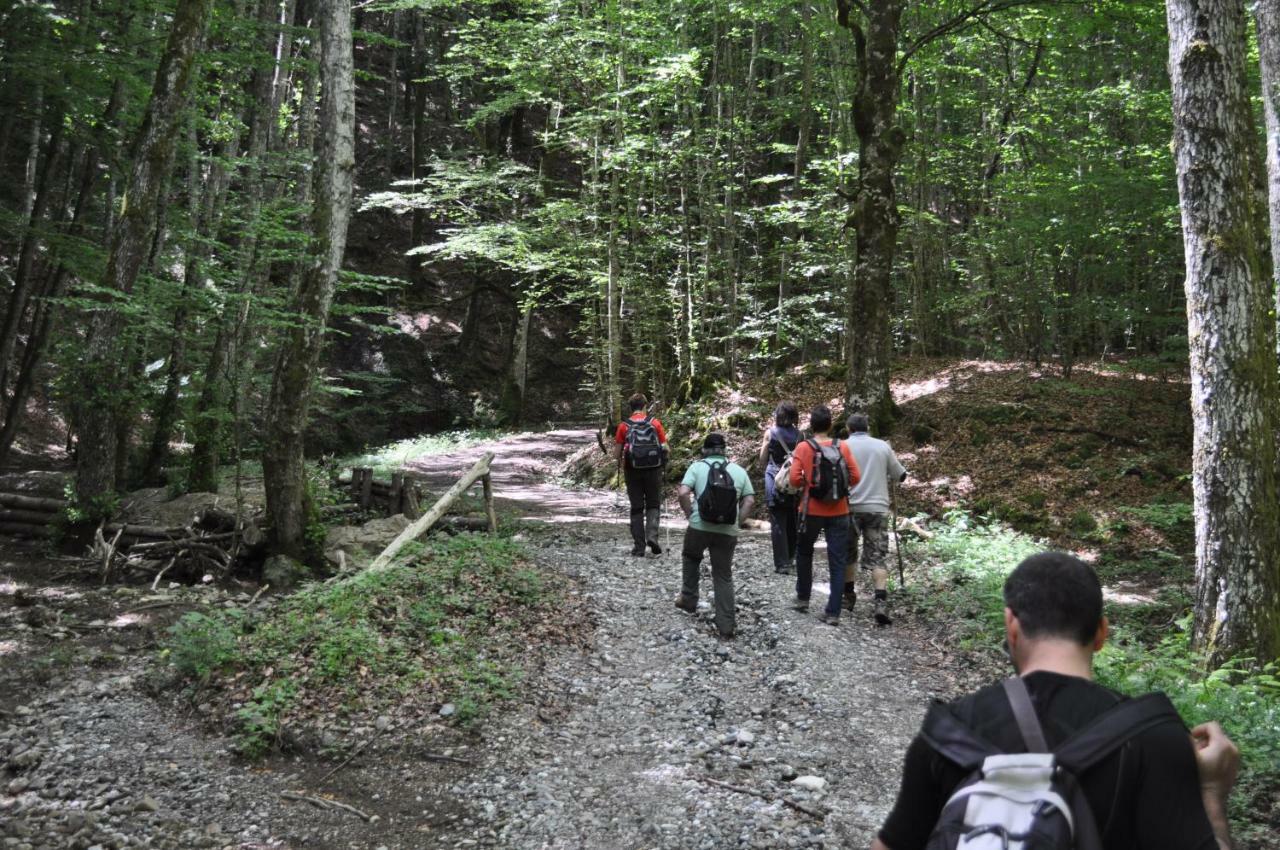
<point>1129,594</point>
<point>665,774</point>
<point>8,587</point>
<point>124,621</point>
<point>8,647</point>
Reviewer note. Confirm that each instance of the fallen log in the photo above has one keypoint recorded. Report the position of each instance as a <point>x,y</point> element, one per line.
<point>32,503</point>
<point>8,514</point>
<point>420,525</point>
<point>22,529</point>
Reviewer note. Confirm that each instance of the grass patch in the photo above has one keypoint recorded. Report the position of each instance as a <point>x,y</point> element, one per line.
<point>395,455</point>
<point>971,560</point>
<point>453,623</point>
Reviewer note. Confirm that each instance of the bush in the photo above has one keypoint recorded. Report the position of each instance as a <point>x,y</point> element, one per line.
<point>200,644</point>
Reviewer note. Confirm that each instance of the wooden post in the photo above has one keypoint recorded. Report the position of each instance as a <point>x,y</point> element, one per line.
<point>396,503</point>
<point>412,509</point>
<point>488,502</point>
<point>366,488</point>
<point>437,510</point>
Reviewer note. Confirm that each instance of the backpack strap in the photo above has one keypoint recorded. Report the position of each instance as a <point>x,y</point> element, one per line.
<point>1115,727</point>
<point>1025,713</point>
<point>954,740</point>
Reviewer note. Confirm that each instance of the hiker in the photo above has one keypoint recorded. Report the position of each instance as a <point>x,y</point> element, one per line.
<point>824,472</point>
<point>1145,782</point>
<point>779,443</point>
<point>716,496</point>
<point>869,514</point>
<point>640,447</point>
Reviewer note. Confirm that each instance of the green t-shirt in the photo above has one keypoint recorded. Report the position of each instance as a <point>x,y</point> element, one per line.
<point>696,480</point>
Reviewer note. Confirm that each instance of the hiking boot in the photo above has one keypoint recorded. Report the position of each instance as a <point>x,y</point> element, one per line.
<point>654,547</point>
<point>882,612</point>
<point>850,599</point>
<point>801,605</point>
<point>829,619</point>
<point>684,603</point>
<point>638,550</point>
<point>784,570</point>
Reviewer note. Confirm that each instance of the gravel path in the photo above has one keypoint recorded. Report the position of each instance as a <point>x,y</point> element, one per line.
<point>631,744</point>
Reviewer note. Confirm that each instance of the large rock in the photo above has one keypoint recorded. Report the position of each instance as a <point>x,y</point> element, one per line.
<point>355,546</point>
<point>283,572</point>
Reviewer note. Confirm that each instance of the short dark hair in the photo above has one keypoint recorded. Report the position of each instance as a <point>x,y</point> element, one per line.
<point>820,418</point>
<point>858,422</point>
<point>786,415</point>
<point>714,443</point>
<point>638,401</point>
<point>1056,595</point>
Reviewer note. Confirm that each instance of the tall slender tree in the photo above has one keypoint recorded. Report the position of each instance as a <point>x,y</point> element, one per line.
<point>1235,389</point>
<point>297,362</point>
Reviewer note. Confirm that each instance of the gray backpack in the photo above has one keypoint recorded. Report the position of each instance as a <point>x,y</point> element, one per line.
<point>1030,800</point>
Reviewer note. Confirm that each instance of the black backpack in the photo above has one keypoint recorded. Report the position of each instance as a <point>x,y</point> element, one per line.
<point>644,449</point>
<point>830,472</point>
<point>718,501</point>
<point>1030,800</point>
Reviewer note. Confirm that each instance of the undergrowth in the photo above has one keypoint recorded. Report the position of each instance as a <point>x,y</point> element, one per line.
<point>450,624</point>
<point>969,561</point>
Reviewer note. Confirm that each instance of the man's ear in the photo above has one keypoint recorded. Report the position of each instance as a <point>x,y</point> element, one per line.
<point>1012,628</point>
<point>1100,637</point>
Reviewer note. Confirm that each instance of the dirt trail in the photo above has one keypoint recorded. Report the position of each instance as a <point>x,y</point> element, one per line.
<point>629,744</point>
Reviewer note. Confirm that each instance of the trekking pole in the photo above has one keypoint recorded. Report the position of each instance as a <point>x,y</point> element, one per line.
<point>897,541</point>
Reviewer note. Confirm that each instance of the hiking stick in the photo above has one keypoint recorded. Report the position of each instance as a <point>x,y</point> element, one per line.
<point>897,541</point>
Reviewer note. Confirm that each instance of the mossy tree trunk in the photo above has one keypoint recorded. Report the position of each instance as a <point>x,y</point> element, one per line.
<point>1235,394</point>
<point>297,362</point>
<point>102,376</point>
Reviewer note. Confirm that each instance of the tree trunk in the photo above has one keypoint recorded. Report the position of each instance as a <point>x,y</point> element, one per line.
<point>298,360</point>
<point>1267,15</point>
<point>875,216</point>
<point>1235,397</point>
<point>518,376</point>
<point>99,392</point>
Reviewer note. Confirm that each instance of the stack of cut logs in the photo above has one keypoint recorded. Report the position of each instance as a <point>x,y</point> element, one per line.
<point>210,544</point>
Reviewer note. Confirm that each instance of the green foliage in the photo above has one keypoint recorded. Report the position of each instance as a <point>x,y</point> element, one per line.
<point>199,645</point>
<point>446,625</point>
<point>393,456</point>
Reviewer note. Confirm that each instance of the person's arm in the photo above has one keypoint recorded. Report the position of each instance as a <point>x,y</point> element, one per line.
<point>619,437</point>
<point>855,473</point>
<point>897,471</point>
<point>685,494</point>
<point>1217,762</point>
<point>877,844</point>
<point>800,461</point>
<point>764,448</point>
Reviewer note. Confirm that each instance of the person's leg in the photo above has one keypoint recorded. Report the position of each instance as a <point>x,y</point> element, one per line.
<point>635,495</point>
<point>721,546</point>
<point>851,563</point>
<point>793,533</point>
<point>875,552</point>
<point>691,564</point>
<point>804,560</point>
<point>837,552</point>
<point>652,508</point>
<point>778,535</point>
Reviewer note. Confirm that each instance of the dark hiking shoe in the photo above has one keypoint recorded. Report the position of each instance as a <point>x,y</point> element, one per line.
<point>684,603</point>
<point>882,612</point>
<point>829,619</point>
<point>654,547</point>
<point>784,570</point>
<point>850,599</point>
<point>638,551</point>
<point>800,605</point>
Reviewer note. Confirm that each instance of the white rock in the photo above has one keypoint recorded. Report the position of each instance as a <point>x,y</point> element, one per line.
<point>810,783</point>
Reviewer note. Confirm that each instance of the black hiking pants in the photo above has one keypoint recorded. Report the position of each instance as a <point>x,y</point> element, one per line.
<point>644,491</point>
<point>720,547</point>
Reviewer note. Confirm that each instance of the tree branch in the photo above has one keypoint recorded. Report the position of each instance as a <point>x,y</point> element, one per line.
<point>963,21</point>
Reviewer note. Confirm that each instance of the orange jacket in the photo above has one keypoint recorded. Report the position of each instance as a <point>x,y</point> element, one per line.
<point>802,474</point>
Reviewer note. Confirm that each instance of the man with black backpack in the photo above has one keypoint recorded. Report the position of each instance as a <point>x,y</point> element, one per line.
<point>1048,758</point>
<point>641,449</point>
<point>824,472</point>
<point>716,496</point>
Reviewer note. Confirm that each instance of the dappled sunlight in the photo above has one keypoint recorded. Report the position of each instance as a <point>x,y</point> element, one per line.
<point>127,620</point>
<point>1129,593</point>
<point>9,647</point>
<point>418,325</point>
